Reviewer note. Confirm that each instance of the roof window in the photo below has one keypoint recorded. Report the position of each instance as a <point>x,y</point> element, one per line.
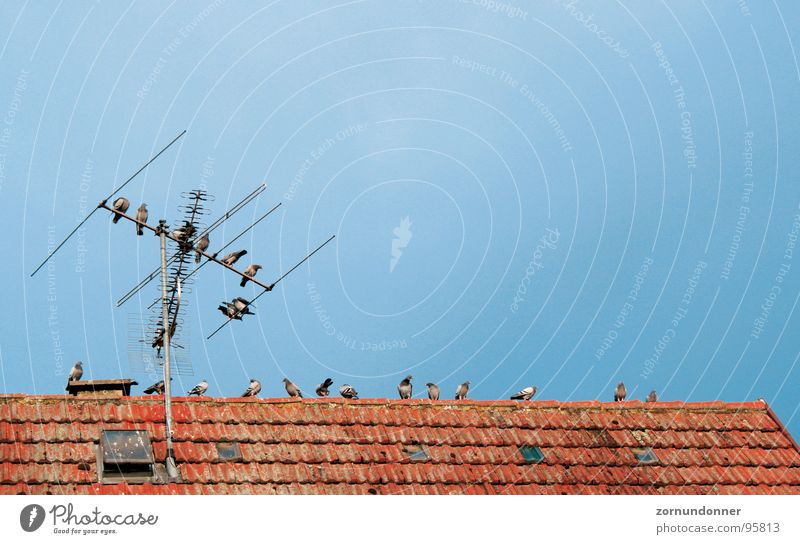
<point>125,456</point>
<point>531,454</point>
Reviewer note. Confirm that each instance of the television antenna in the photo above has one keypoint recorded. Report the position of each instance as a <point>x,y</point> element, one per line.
<point>187,239</point>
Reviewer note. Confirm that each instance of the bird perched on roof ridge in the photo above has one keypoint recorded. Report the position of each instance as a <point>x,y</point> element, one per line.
<point>433,391</point>
<point>348,392</point>
<point>199,389</point>
<point>157,387</point>
<point>76,372</point>
<point>322,389</point>
<point>201,245</point>
<point>292,389</point>
<point>653,396</point>
<point>141,215</point>
<point>231,258</point>
<point>620,392</point>
<point>253,389</point>
<point>463,389</point>
<point>525,394</point>
<point>405,387</point>
<point>121,205</point>
<point>250,271</point>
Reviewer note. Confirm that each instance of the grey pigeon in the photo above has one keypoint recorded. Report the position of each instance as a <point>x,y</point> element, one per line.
<point>253,389</point>
<point>463,389</point>
<point>525,394</point>
<point>620,393</point>
<point>184,233</point>
<point>199,389</point>
<point>348,392</point>
<point>433,391</point>
<point>141,215</point>
<point>653,396</point>
<point>229,310</point>
<point>242,306</point>
<point>322,389</point>
<point>251,271</point>
<point>76,372</point>
<point>292,389</point>
<point>231,258</point>
<point>121,205</point>
<point>201,245</point>
<point>405,388</point>
<point>157,387</point>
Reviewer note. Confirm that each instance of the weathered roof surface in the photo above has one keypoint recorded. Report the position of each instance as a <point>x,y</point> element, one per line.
<point>334,446</point>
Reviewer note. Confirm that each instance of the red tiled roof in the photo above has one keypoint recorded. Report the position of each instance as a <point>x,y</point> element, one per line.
<point>334,446</point>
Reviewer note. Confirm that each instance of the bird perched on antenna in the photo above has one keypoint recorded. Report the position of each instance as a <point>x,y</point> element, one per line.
<point>235,309</point>
<point>348,392</point>
<point>292,389</point>
<point>253,389</point>
<point>141,215</point>
<point>433,391</point>
<point>231,258</point>
<point>463,389</point>
<point>199,389</point>
<point>322,389</point>
<point>653,396</point>
<point>76,373</point>
<point>405,388</point>
<point>158,341</point>
<point>121,205</point>
<point>620,392</point>
<point>525,394</point>
<point>250,271</point>
<point>201,245</point>
<point>156,388</point>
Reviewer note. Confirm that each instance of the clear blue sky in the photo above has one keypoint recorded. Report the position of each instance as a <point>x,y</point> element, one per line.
<point>594,192</point>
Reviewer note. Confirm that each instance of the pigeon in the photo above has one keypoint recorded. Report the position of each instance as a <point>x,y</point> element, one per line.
<point>433,391</point>
<point>292,389</point>
<point>199,389</point>
<point>322,389</point>
<point>620,392</point>
<point>141,215</point>
<point>250,271</point>
<point>253,389</point>
<point>348,392</point>
<point>121,205</point>
<point>242,306</point>
<point>653,396</point>
<point>525,394</point>
<point>231,258</point>
<point>201,245</point>
<point>229,310</point>
<point>405,388</point>
<point>155,388</point>
<point>463,389</point>
<point>184,233</point>
<point>76,372</point>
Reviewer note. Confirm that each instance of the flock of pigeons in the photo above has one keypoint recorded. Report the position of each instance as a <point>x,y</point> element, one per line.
<point>234,309</point>
<point>404,389</point>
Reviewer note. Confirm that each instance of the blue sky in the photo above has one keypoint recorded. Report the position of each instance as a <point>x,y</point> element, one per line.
<point>567,194</point>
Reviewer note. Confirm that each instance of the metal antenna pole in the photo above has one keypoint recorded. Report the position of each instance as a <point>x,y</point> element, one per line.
<point>172,469</point>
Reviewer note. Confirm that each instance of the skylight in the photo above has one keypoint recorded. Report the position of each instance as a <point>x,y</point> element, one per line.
<point>125,455</point>
<point>229,451</point>
<point>645,456</point>
<point>417,452</point>
<point>531,454</point>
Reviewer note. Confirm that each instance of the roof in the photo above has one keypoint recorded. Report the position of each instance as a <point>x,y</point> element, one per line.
<point>48,444</point>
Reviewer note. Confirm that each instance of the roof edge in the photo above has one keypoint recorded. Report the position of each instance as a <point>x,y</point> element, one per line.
<point>544,404</point>
<point>781,426</point>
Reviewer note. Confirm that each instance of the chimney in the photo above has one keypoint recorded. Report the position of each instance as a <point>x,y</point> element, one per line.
<point>100,388</point>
